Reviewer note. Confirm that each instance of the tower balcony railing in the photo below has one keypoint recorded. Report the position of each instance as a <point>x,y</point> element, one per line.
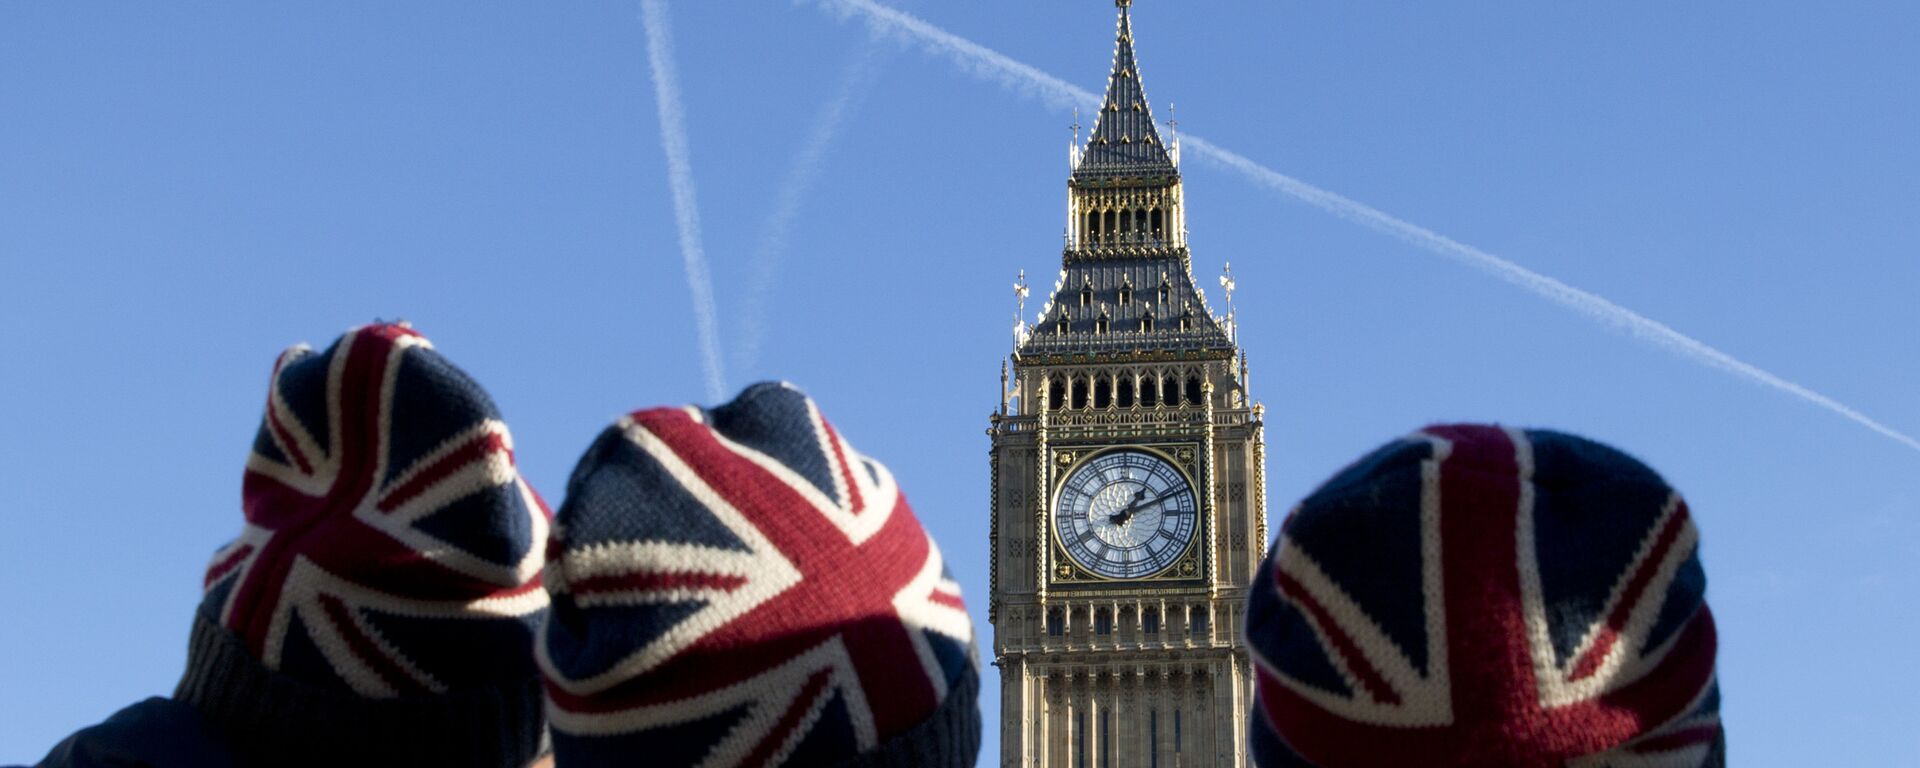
<point>1124,244</point>
<point>1081,630</point>
<point>1043,340</point>
<point>1232,417</point>
<point>1153,641</point>
<point>1137,417</point>
<point>1183,417</point>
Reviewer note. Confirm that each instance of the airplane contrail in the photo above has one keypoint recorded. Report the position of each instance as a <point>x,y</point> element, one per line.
<point>855,81</point>
<point>1584,302</point>
<point>984,62</point>
<point>686,209</point>
<point>973,57</point>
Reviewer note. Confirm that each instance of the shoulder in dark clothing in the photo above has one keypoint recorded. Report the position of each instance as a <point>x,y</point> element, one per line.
<point>156,733</point>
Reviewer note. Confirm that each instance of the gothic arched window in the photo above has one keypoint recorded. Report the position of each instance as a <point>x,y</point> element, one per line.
<point>1153,737</point>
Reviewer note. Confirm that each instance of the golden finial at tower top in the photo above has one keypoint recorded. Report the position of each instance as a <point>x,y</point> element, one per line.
<point>1122,3</point>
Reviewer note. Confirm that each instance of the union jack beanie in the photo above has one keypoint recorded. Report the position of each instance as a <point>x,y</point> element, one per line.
<point>379,604</point>
<point>736,586</point>
<point>1482,596</point>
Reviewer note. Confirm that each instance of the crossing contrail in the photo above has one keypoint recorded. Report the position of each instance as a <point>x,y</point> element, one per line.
<point>856,79</point>
<point>686,210</point>
<point>984,62</point>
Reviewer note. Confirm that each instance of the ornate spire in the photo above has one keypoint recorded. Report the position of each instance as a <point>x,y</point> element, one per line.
<point>1126,286</point>
<point>1124,141</point>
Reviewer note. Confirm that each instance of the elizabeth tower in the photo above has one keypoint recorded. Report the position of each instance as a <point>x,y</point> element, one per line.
<point>1129,499</point>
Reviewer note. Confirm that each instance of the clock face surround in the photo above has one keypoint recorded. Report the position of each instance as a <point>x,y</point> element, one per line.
<point>1125,514</point>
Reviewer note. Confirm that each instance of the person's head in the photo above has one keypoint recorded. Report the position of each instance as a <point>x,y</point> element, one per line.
<point>1482,596</point>
<point>379,603</point>
<point>737,586</point>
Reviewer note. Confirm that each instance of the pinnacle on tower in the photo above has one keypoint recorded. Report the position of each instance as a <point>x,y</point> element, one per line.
<point>1124,141</point>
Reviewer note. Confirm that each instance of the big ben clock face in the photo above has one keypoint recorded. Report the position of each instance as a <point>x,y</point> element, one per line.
<point>1125,514</point>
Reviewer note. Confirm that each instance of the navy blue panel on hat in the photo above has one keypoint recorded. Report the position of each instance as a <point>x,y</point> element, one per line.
<point>303,385</point>
<point>763,418</point>
<point>583,649</point>
<point>459,664</point>
<point>620,493</point>
<point>1376,500</point>
<point>439,402</point>
<point>1592,506</point>
<point>1271,622</point>
<point>685,743</point>
<point>502,541</point>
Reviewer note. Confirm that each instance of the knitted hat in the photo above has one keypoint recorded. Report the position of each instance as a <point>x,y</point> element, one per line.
<point>378,607</point>
<point>736,586</point>
<point>1481,596</point>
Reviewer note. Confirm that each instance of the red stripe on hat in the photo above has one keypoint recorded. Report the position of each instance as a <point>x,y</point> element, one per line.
<point>1590,661</point>
<point>365,649</point>
<point>789,720</point>
<point>947,599</point>
<point>855,504</point>
<point>220,569</point>
<point>1356,661</point>
<point>475,450</point>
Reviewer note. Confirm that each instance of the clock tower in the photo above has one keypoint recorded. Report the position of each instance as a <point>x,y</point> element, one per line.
<point>1129,499</point>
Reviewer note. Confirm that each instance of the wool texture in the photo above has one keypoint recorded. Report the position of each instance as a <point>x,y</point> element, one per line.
<point>1482,596</point>
<point>379,604</point>
<point>736,586</point>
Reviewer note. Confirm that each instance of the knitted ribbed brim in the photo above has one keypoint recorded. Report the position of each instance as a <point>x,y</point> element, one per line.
<point>271,719</point>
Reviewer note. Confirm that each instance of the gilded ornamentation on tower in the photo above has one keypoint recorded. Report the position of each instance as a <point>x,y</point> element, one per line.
<point>1129,508</point>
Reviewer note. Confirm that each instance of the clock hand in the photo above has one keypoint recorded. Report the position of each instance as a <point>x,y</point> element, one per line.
<point>1121,517</point>
<point>1125,512</point>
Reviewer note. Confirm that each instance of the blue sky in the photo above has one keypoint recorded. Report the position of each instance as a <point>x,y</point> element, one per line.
<point>186,189</point>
